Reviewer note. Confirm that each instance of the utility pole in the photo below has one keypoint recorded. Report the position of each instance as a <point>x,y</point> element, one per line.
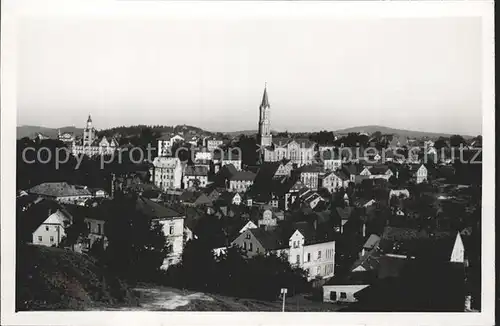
<point>283,293</point>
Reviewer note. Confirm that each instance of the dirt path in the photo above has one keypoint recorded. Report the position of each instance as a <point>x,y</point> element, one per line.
<point>167,299</point>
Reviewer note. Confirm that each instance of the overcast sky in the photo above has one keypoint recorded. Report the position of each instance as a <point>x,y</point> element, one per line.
<point>421,73</point>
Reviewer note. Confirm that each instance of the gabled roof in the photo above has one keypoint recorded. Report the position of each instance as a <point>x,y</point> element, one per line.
<point>59,189</point>
<point>345,212</point>
<point>270,239</point>
<point>372,242</point>
<point>38,212</point>
<point>379,169</point>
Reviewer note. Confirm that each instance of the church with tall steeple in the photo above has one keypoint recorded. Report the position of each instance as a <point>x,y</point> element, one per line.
<point>264,137</point>
<point>298,151</point>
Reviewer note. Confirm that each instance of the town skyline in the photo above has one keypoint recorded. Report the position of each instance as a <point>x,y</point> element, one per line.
<point>124,72</point>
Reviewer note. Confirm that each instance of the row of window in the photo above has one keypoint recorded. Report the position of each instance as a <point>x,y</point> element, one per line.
<point>333,295</point>
<point>250,247</point>
<point>99,228</point>
<point>40,238</point>
<point>329,253</point>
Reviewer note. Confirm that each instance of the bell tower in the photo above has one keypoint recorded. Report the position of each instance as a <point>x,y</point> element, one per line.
<point>265,137</point>
<point>88,133</point>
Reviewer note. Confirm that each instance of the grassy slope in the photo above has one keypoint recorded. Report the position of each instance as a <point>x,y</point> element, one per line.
<point>56,279</point>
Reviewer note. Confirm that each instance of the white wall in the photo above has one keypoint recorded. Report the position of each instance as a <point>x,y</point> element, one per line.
<point>349,290</point>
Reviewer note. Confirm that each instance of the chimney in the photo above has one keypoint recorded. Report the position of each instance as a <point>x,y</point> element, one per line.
<point>364,230</point>
<point>315,224</point>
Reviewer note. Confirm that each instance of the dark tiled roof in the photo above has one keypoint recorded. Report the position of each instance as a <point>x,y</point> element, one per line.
<point>155,210</point>
<point>196,171</point>
<point>379,169</point>
<point>312,168</point>
<point>345,212</point>
<point>37,213</point>
<point>270,239</point>
<point>243,176</point>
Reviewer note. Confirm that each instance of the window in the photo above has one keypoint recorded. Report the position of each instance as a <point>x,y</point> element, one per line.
<point>333,296</point>
<point>171,231</point>
<point>343,295</point>
<point>88,226</point>
<point>318,270</point>
<point>51,239</point>
<point>248,235</point>
<point>319,254</point>
<point>99,231</point>
<point>257,250</point>
<point>40,238</point>
<point>244,245</point>
<point>298,259</point>
<point>250,246</point>
<point>46,228</point>
<point>308,256</point>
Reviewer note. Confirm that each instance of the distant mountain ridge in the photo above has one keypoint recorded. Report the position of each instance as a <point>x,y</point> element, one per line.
<point>400,132</point>
<point>369,130</point>
<point>32,131</point>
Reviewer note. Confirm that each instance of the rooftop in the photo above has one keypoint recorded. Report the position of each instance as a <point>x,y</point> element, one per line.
<point>59,189</point>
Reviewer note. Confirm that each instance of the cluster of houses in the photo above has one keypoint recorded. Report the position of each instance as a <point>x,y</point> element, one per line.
<point>286,205</point>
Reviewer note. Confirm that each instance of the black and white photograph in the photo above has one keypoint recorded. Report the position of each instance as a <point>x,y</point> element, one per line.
<point>319,158</point>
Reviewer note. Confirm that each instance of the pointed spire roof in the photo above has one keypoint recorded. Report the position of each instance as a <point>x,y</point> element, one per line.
<point>89,119</point>
<point>265,100</point>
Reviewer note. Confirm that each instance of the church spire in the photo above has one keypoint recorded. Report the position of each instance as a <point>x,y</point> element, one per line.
<point>265,100</point>
<point>89,119</point>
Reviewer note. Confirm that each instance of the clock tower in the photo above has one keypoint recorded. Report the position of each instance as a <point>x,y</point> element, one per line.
<point>264,137</point>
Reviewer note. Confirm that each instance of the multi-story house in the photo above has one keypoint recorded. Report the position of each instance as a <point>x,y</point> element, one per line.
<point>44,222</point>
<point>331,160</point>
<point>230,157</point>
<point>195,176</point>
<point>334,180</point>
<point>167,172</point>
<point>309,175</point>
<point>94,219</point>
<point>166,142</point>
<point>284,169</point>
<point>298,151</point>
<point>241,181</point>
<point>66,137</point>
<point>418,172</point>
<point>302,248</point>
<point>212,144</point>
<point>202,155</point>
<point>172,224</point>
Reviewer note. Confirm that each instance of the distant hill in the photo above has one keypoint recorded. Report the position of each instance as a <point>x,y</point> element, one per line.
<point>242,132</point>
<point>32,131</point>
<point>400,132</point>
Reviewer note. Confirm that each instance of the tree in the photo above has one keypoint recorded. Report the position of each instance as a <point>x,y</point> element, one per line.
<point>457,140</point>
<point>136,244</point>
<point>74,233</point>
<point>440,143</point>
